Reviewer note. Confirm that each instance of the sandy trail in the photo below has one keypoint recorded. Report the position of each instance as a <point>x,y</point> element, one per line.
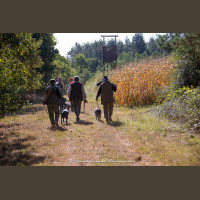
<point>86,143</point>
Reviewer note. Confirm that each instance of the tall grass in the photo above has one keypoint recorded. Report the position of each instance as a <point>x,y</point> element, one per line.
<point>139,82</point>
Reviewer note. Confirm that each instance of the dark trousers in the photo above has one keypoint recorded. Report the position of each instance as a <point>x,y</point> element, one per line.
<point>77,106</point>
<point>53,109</point>
<point>108,110</point>
<point>72,107</point>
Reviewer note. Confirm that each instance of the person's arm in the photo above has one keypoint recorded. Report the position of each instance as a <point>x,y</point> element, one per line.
<point>58,92</point>
<point>46,90</point>
<point>61,86</point>
<point>69,91</point>
<point>83,92</point>
<point>99,83</point>
<point>98,93</point>
<point>114,87</point>
<point>68,87</point>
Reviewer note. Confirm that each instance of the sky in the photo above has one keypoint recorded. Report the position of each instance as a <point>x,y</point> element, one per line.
<point>65,41</point>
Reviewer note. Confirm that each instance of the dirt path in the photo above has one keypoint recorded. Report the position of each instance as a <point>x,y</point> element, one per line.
<point>27,139</point>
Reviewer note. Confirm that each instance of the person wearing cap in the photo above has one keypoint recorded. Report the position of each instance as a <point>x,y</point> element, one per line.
<point>77,94</point>
<point>106,90</point>
<point>53,102</point>
<point>60,84</point>
<point>70,81</point>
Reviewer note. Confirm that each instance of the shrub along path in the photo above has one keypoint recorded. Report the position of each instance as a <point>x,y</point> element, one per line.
<point>134,138</point>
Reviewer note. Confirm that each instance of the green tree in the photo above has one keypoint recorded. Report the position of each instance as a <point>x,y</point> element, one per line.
<point>165,42</point>
<point>128,46</point>
<point>120,47</point>
<point>93,63</point>
<point>80,63</point>
<point>186,49</point>
<point>19,61</point>
<point>124,58</point>
<point>48,54</point>
<point>85,76</point>
<point>139,43</point>
<point>63,68</point>
<point>153,48</point>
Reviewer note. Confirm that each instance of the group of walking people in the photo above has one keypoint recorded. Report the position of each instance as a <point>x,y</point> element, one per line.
<point>76,94</point>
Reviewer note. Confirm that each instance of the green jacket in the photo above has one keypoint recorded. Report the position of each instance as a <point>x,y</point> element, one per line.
<point>55,95</point>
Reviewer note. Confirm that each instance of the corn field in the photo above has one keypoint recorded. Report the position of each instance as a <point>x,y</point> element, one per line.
<point>138,82</point>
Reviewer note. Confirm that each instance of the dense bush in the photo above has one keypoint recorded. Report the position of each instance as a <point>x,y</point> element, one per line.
<point>19,61</point>
<point>182,105</point>
<point>182,102</point>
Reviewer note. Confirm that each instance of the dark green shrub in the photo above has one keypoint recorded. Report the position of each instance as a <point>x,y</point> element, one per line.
<point>182,105</point>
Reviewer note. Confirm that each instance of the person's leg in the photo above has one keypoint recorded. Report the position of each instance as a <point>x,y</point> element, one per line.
<point>110,110</point>
<point>72,107</point>
<point>56,111</point>
<point>79,106</point>
<point>105,107</point>
<point>51,113</point>
<point>75,104</point>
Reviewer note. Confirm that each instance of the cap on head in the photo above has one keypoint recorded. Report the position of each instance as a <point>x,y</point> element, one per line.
<point>76,78</point>
<point>70,79</point>
<point>52,81</point>
<point>105,78</point>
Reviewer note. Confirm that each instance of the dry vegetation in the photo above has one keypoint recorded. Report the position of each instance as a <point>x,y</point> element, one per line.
<point>139,82</point>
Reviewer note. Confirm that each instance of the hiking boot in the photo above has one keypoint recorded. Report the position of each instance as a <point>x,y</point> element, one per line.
<point>52,126</point>
<point>77,119</point>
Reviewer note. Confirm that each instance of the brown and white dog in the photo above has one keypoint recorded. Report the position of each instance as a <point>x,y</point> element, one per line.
<point>97,113</point>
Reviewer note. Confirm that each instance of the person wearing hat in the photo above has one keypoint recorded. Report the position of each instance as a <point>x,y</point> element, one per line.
<point>77,94</point>
<point>53,102</point>
<point>106,90</point>
<point>60,84</point>
<point>70,81</point>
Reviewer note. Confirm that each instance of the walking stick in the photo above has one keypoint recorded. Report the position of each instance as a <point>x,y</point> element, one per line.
<point>84,101</point>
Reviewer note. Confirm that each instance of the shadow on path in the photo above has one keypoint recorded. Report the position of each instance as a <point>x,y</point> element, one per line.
<point>16,150</point>
<point>58,128</point>
<point>115,123</point>
<point>81,122</point>
<point>33,109</point>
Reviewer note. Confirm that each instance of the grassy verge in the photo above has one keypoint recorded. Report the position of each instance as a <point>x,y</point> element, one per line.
<point>167,142</point>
